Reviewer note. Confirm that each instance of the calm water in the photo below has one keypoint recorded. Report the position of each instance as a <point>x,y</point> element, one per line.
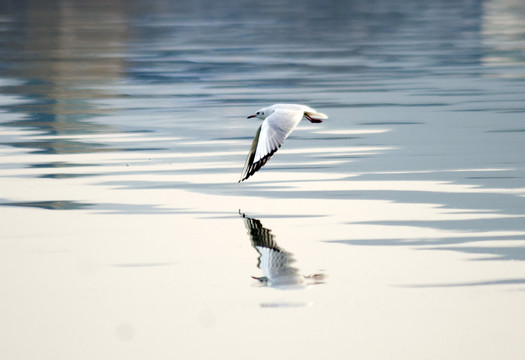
<point>123,132</point>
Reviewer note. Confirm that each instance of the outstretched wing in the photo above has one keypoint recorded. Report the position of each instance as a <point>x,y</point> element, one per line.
<point>266,142</point>
<point>268,139</point>
<point>259,235</point>
<point>273,261</point>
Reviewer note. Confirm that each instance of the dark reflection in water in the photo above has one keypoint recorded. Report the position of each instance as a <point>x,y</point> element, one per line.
<point>476,283</point>
<point>484,253</point>
<point>57,165</point>
<point>60,165</point>
<point>65,176</point>
<point>50,205</point>
<point>276,263</point>
<point>105,208</point>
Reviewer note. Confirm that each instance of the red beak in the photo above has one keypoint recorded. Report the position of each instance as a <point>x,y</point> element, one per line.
<point>251,116</point>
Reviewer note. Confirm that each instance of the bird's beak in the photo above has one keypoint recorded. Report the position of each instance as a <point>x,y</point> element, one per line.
<point>251,116</point>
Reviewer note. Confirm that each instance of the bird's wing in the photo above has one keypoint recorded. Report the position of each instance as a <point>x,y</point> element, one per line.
<point>276,263</point>
<point>273,260</point>
<point>266,142</point>
<point>268,139</point>
<point>259,235</point>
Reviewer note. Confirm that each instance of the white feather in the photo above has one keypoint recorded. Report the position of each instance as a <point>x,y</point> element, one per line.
<point>279,121</point>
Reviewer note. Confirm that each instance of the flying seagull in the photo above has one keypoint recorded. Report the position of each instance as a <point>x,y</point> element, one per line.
<point>279,122</point>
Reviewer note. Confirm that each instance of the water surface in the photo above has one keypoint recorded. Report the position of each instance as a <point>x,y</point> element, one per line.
<point>123,133</point>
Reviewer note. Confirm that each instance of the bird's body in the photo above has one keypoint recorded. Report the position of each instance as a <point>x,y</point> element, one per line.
<point>279,122</point>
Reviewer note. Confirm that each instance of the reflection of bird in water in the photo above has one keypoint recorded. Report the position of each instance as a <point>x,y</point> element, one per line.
<point>275,262</point>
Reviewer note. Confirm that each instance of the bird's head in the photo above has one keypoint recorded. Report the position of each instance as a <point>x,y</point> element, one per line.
<point>261,114</point>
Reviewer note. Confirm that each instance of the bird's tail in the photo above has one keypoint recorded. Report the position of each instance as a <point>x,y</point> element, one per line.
<point>316,115</point>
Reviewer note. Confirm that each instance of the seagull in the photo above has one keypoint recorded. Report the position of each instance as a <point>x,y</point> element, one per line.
<point>279,122</point>
<point>275,262</point>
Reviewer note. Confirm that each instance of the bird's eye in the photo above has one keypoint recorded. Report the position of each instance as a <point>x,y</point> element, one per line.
<point>257,113</point>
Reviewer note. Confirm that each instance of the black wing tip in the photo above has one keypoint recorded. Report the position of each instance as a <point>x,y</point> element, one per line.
<point>243,178</point>
<point>256,166</point>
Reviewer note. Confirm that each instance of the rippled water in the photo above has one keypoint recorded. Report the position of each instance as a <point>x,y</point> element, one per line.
<point>123,133</point>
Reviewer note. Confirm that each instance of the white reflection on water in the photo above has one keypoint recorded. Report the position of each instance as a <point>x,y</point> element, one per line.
<point>275,262</point>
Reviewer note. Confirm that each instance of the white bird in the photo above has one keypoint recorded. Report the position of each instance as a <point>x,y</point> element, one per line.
<point>275,262</point>
<point>279,122</point>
